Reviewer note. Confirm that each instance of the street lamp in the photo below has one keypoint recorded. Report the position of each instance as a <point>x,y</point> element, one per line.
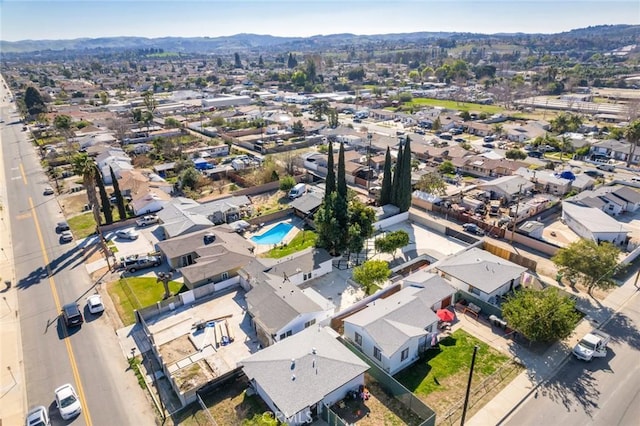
<point>369,138</point>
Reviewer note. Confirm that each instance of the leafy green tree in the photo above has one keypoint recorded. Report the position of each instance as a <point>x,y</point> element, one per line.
<point>361,219</point>
<point>392,241</point>
<point>237,63</point>
<point>515,154</point>
<point>588,262</point>
<point>33,101</point>
<point>385,192</point>
<point>104,98</point>
<point>437,125</point>
<point>371,274</point>
<point>332,118</point>
<point>104,198</point>
<point>465,115</point>
<point>118,194</point>
<point>327,225</point>
<point>541,316</point>
<point>62,122</point>
<point>298,128</point>
<point>319,108</point>
<point>432,183</point>
<point>447,168</point>
<point>292,62</point>
<point>189,178</point>
<point>286,183</point>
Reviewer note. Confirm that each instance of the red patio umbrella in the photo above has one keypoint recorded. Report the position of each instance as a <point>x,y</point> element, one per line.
<point>445,315</point>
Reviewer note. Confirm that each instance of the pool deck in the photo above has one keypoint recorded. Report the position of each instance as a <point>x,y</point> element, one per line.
<point>296,222</point>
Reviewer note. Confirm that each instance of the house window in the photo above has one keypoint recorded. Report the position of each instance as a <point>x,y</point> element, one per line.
<point>405,354</point>
<point>306,276</point>
<point>474,290</point>
<point>358,339</point>
<point>377,353</point>
<point>224,275</point>
<point>285,334</point>
<point>309,323</point>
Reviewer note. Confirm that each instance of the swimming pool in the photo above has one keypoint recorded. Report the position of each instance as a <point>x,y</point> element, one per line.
<point>274,235</point>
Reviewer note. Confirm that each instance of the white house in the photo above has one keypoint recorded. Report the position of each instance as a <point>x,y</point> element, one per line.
<point>593,224</point>
<point>480,273</point>
<point>303,266</point>
<point>149,202</point>
<point>277,306</point>
<point>393,332</point>
<point>298,376</point>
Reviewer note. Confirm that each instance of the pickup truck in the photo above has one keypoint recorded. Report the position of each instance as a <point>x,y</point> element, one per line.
<point>147,220</point>
<point>592,345</point>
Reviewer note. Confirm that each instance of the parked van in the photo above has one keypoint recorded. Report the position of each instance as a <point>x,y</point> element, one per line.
<point>297,191</point>
<point>606,167</point>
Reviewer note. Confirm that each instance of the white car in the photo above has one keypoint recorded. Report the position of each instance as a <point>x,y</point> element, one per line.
<point>147,220</point>
<point>47,190</point>
<point>66,237</point>
<point>67,401</point>
<point>38,416</point>
<point>127,234</point>
<point>94,303</point>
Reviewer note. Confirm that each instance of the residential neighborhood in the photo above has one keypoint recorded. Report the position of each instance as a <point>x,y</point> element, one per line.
<point>303,233</point>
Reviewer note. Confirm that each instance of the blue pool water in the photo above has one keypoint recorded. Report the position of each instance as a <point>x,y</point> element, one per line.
<point>274,235</point>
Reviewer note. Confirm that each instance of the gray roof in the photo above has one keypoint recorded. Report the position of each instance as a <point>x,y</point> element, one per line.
<point>223,205</point>
<point>307,203</point>
<point>187,224</point>
<point>613,144</point>
<point>438,287</point>
<point>194,242</point>
<point>510,184</point>
<point>392,321</point>
<point>212,265</point>
<point>627,194</point>
<point>480,269</point>
<point>593,219</point>
<point>294,386</point>
<point>275,302</point>
<point>307,261</point>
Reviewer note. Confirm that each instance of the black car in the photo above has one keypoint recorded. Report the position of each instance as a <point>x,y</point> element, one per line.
<point>594,173</point>
<point>61,227</point>
<point>72,315</point>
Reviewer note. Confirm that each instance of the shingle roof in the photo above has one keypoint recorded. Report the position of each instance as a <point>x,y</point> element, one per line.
<point>480,269</point>
<point>392,321</point>
<point>295,386</point>
<point>307,261</point>
<point>192,242</point>
<point>593,219</point>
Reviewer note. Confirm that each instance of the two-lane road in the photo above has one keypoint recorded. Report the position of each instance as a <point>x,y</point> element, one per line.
<point>605,391</point>
<point>48,275</point>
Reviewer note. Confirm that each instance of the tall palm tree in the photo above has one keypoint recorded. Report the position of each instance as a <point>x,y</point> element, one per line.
<point>565,145</point>
<point>86,167</point>
<point>632,134</point>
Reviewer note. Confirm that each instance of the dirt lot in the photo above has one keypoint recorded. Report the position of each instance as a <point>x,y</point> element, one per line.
<point>177,349</point>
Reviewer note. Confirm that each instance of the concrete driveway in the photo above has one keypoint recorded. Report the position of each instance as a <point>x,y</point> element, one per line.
<point>145,243</point>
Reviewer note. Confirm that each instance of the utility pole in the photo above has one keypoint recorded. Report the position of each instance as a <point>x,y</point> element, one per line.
<point>369,137</point>
<point>466,398</point>
<point>515,216</point>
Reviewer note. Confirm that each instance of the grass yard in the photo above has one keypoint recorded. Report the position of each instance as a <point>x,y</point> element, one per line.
<point>84,225</point>
<point>133,293</point>
<point>300,242</point>
<point>229,405</point>
<point>453,105</point>
<point>440,378</point>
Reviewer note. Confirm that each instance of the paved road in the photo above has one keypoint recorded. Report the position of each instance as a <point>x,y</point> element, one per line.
<point>48,275</point>
<point>605,391</point>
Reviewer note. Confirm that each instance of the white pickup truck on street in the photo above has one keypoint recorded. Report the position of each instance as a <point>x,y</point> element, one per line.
<point>592,345</point>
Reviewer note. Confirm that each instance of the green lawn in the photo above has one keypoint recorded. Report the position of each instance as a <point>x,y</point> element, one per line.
<point>133,293</point>
<point>83,224</point>
<point>460,106</point>
<point>300,242</point>
<point>438,371</point>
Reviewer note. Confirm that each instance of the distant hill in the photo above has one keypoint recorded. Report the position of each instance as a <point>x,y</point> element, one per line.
<point>248,42</point>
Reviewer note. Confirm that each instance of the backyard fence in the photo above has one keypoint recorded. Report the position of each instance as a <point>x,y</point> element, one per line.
<point>454,414</point>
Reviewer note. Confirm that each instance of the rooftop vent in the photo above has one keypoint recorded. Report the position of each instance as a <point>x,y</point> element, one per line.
<point>209,238</point>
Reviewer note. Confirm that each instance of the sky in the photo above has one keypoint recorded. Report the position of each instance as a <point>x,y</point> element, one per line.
<point>64,19</point>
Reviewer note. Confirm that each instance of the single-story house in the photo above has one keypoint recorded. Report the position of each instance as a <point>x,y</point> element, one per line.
<point>480,273</point>
<point>394,331</point>
<point>211,255</point>
<point>300,375</point>
<point>303,266</point>
<point>307,205</point>
<point>151,201</point>
<point>593,224</point>
<point>507,187</point>
<point>546,181</point>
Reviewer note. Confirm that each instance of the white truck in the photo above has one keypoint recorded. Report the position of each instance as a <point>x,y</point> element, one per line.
<point>297,191</point>
<point>592,345</point>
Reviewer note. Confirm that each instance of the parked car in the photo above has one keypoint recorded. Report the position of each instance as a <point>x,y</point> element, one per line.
<point>66,237</point>
<point>143,262</point>
<point>71,315</point>
<point>48,191</point>
<point>489,139</point>
<point>594,173</point>
<point>473,228</point>
<point>38,416</point>
<point>488,145</point>
<point>127,234</point>
<point>147,220</point>
<point>67,402</point>
<point>94,304</point>
<point>534,154</point>
<point>62,226</point>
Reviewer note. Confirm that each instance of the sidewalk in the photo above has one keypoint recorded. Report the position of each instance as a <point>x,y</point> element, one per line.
<point>543,367</point>
<point>13,391</point>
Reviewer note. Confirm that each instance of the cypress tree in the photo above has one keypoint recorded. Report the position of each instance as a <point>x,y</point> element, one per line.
<point>397,173</point>
<point>118,194</point>
<point>104,198</point>
<point>385,192</point>
<point>341,205</point>
<point>404,202</point>
<point>330,183</point>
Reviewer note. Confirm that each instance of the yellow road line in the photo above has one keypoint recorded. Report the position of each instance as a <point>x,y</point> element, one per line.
<point>56,300</point>
<point>24,177</point>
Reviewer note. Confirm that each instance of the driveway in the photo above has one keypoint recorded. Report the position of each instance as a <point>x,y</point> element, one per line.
<point>145,243</point>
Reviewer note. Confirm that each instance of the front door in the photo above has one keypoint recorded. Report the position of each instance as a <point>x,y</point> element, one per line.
<point>445,302</point>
